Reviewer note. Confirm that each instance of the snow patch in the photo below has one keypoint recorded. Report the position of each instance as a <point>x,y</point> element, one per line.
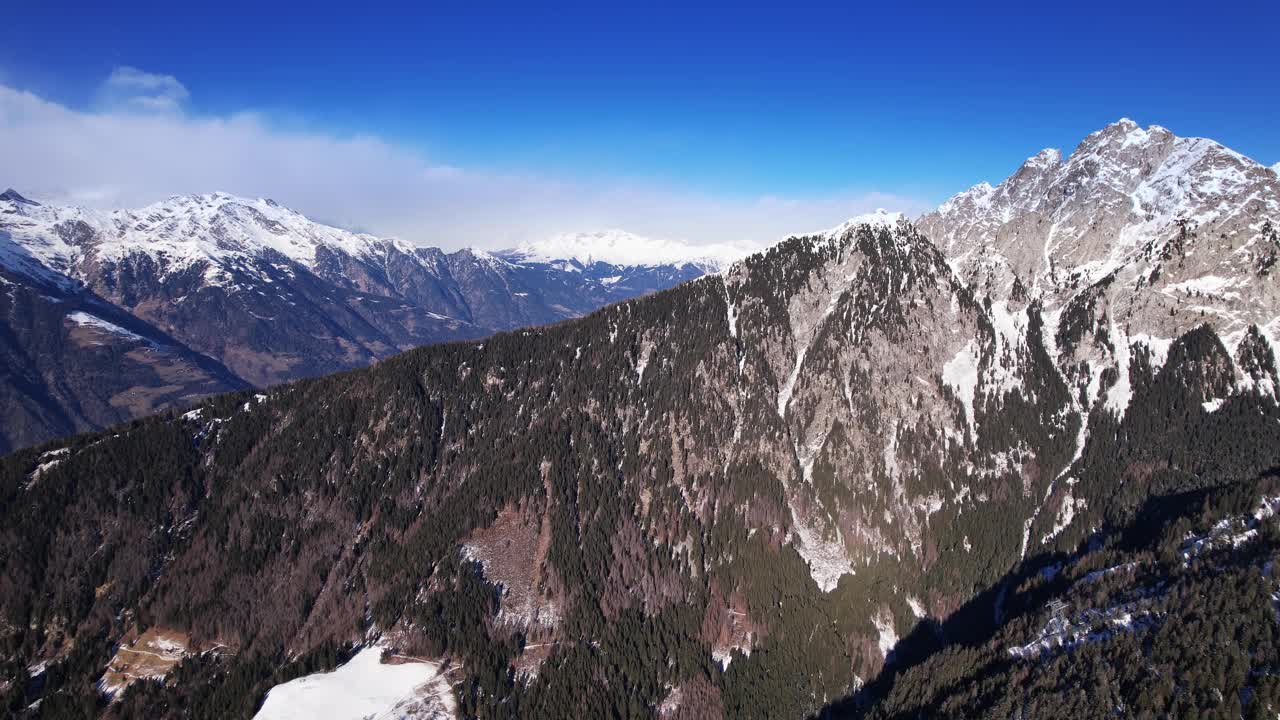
<point>1158,347</point>
<point>1215,285</point>
<point>827,560</point>
<point>724,655</point>
<point>364,688</point>
<point>961,375</point>
<point>917,608</point>
<point>618,247</point>
<point>879,218</point>
<point>49,460</point>
<point>82,318</point>
<point>1066,513</point>
<point>731,311</point>
<point>888,639</point>
<point>646,351</point>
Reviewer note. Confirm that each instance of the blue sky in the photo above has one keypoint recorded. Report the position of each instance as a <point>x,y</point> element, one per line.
<point>729,103</point>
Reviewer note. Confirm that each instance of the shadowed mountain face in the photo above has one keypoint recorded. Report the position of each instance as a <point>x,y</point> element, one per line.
<point>268,296</point>
<point>727,499</point>
<point>71,362</point>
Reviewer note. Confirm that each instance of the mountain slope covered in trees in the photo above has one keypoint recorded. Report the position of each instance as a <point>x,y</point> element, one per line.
<point>751,495</point>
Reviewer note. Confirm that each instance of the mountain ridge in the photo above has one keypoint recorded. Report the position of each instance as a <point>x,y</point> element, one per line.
<point>731,498</point>
<point>272,296</point>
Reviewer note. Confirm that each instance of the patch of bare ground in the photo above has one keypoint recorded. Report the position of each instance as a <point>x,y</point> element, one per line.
<point>726,626</point>
<point>152,655</point>
<point>694,699</point>
<point>141,399</point>
<point>513,552</point>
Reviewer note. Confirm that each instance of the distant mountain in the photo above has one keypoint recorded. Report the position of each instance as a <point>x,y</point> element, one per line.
<point>620,248</point>
<point>270,296</point>
<point>872,469</point>
<point>71,362</point>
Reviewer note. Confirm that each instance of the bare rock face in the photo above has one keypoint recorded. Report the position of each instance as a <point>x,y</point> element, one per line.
<point>1130,243</point>
<point>1174,227</point>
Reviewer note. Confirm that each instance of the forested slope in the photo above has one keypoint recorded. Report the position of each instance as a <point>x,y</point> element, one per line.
<point>727,499</point>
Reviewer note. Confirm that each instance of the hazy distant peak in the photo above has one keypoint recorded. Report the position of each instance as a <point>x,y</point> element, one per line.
<point>12,196</point>
<point>619,247</point>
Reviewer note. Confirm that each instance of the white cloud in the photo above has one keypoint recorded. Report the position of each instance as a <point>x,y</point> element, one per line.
<point>130,89</point>
<point>115,156</point>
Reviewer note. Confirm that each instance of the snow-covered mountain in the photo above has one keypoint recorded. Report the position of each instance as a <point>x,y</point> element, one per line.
<point>273,296</point>
<point>1061,222</point>
<point>1106,258</point>
<point>618,247</point>
<point>1167,232</point>
<point>780,475</point>
<point>878,218</point>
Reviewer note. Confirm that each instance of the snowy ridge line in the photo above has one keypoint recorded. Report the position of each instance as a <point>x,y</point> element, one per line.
<point>223,231</point>
<point>618,247</point>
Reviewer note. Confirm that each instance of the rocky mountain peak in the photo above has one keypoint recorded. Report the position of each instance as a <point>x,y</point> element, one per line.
<point>13,196</point>
<point>1124,192</point>
<point>1046,159</point>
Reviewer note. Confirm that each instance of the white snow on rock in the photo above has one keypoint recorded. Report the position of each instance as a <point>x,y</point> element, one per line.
<point>917,608</point>
<point>961,375</point>
<point>879,218</point>
<point>724,654</point>
<point>1234,531</point>
<point>827,560</point>
<point>1088,626</point>
<point>1066,513</point>
<point>1120,394</point>
<point>216,231</point>
<point>1210,285</point>
<point>888,639</point>
<point>1157,346</point>
<point>731,311</point>
<point>646,351</point>
<point>365,688</point>
<point>80,317</point>
<point>48,461</point>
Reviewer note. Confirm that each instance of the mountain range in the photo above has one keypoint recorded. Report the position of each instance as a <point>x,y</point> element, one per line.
<point>1016,458</point>
<point>114,315</point>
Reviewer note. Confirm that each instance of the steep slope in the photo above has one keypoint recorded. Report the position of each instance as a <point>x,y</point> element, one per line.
<point>1173,615</point>
<point>273,296</point>
<point>727,499</point>
<point>1137,239</point>
<point>71,362</point>
<point>710,501</point>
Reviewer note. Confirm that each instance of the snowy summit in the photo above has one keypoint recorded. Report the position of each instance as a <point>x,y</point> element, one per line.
<point>618,247</point>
